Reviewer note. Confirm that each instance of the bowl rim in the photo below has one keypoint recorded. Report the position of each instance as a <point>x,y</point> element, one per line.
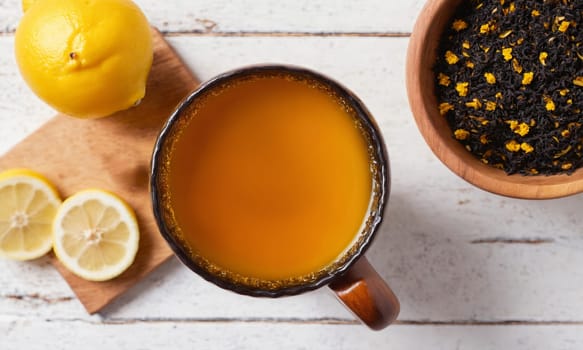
<point>421,54</point>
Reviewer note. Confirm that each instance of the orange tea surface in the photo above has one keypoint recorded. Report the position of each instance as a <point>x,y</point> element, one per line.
<point>271,179</point>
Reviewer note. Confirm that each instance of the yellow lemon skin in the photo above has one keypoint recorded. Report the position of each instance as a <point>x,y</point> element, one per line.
<point>26,4</point>
<point>14,172</point>
<point>87,59</point>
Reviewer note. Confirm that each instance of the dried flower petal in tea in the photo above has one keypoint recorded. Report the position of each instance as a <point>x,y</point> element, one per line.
<point>509,81</point>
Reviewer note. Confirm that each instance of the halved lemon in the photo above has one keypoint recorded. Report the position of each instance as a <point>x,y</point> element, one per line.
<point>96,235</point>
<point>28,204</point>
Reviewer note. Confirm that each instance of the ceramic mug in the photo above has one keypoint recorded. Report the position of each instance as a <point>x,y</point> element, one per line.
<point>351,276</point>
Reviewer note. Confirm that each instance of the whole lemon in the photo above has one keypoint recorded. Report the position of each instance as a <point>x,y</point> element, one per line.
<point>85,58</point>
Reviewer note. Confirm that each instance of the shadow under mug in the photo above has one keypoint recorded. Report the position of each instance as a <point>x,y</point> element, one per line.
<point>351,277</point>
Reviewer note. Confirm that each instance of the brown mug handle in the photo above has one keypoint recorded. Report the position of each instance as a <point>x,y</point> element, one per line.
<point>367,295</point>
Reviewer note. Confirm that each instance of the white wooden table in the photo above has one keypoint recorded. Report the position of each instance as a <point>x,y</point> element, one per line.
<point>472,270</point>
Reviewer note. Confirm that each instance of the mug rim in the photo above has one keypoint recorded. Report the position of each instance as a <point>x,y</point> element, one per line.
<point>377,142</point>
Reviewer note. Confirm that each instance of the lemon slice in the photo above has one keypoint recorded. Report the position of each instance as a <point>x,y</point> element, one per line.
<point>28,204</point>
<point>96,235</point>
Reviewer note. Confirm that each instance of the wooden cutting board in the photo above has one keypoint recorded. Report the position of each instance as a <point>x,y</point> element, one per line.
<point>114,154</point>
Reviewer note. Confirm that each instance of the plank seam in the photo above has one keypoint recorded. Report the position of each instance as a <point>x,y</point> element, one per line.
<point>502,240</point>
<point>277,34</point>
<point>284,34</point>
<point>318,321</point>
<point>37,297</point>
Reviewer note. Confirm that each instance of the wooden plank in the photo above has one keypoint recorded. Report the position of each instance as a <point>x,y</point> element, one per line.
<point>473,270</point>
<point>33,335</point>
<point>450,251</point>
<point>114,154</point>
<point>224,16</point>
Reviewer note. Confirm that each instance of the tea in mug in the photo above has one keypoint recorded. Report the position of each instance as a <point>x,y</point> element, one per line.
<point>270,178</point>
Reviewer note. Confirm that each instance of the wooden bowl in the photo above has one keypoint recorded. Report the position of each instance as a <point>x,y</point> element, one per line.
<point>421,57</point>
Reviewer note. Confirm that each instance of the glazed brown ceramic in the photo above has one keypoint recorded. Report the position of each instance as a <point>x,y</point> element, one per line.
<point>420,87</point>
<point>353,279</point>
